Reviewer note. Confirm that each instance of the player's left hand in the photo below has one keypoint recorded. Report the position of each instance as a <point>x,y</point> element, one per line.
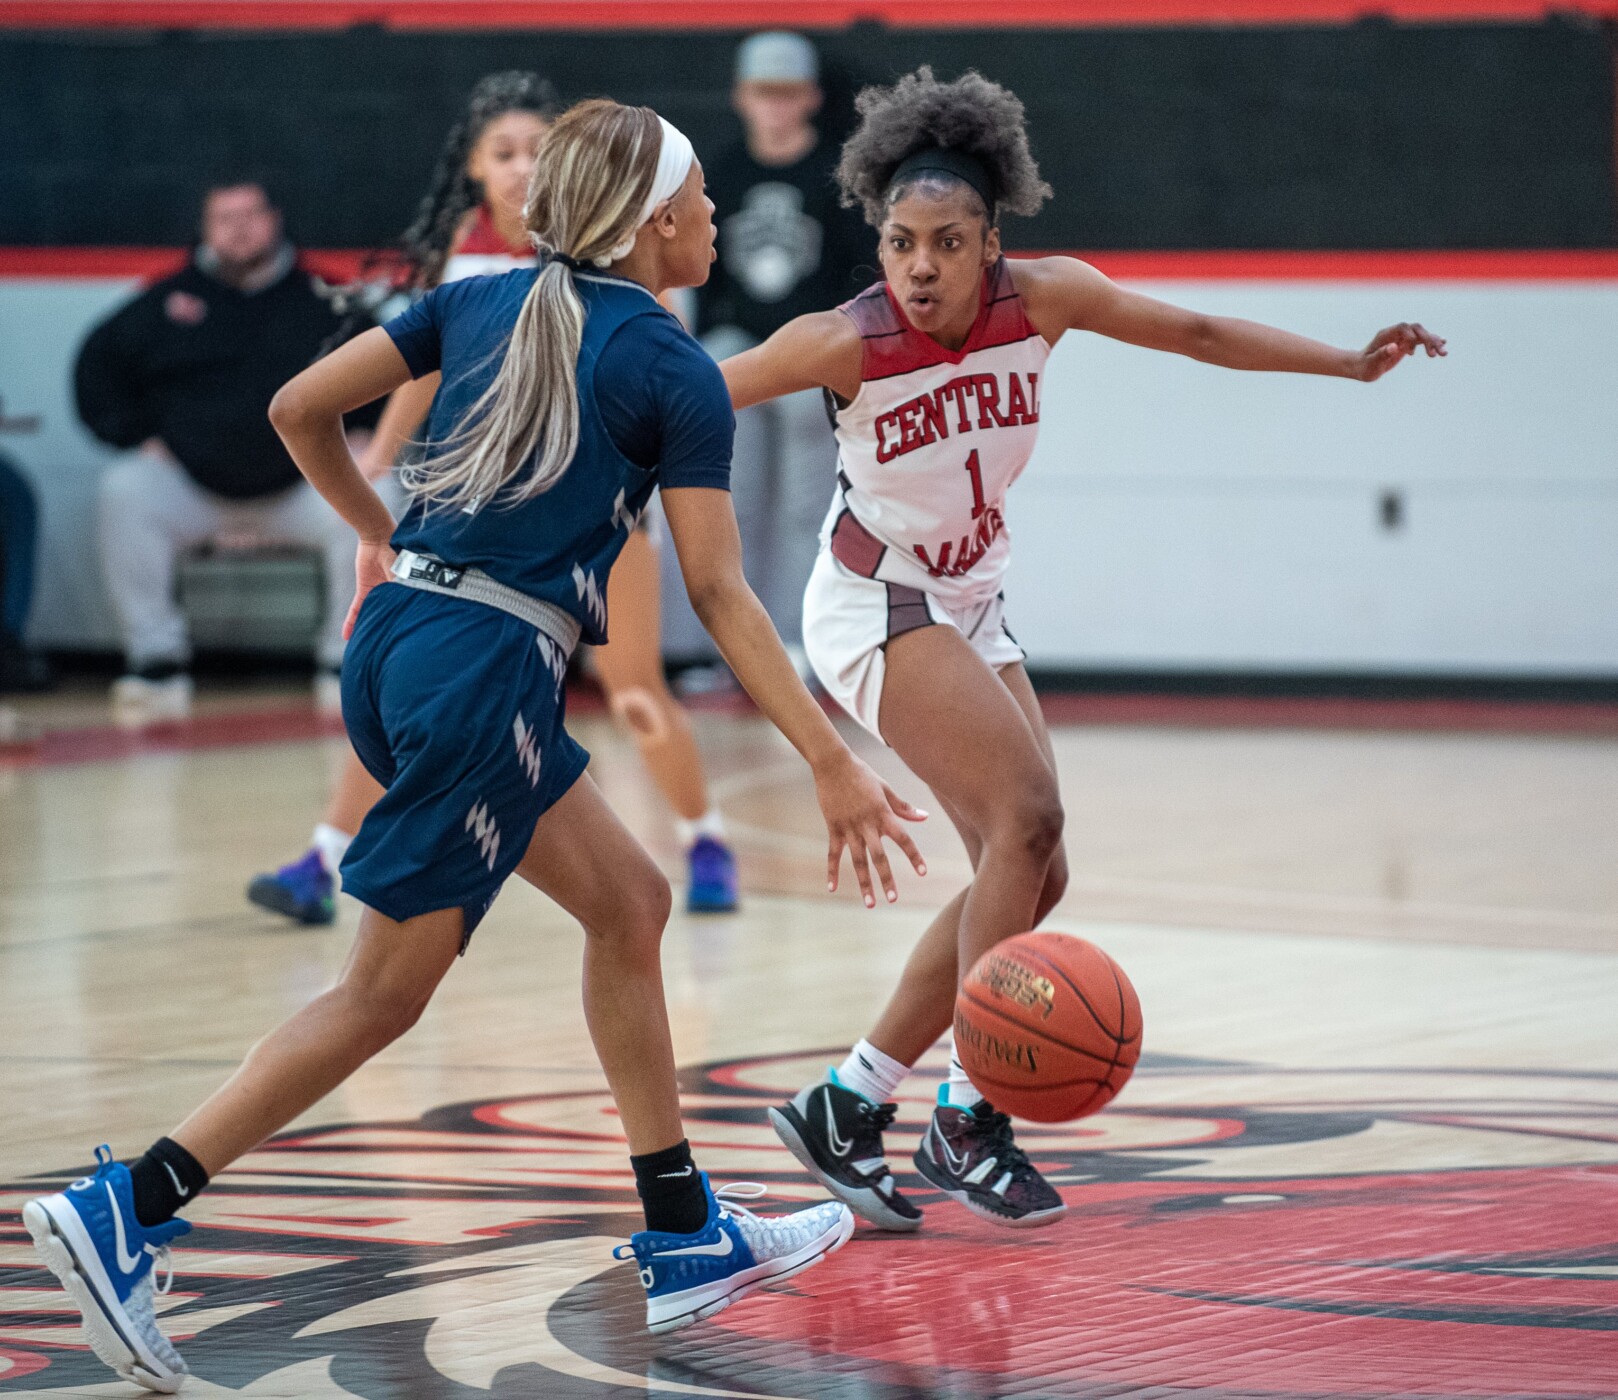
<point>1388,347</point>
<point>373,564</point>
<point>861,811</point>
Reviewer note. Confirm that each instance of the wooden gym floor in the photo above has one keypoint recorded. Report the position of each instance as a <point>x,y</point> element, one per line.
<point>1372,1149</point>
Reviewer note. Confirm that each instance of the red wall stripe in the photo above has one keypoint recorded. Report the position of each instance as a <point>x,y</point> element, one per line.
<point>1419,265</point>
<point>750,14</point>
<point>335,264</point>
<point>1513,265</point>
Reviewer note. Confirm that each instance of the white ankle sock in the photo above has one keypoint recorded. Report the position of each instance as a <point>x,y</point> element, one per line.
<point>959,1091</point>
<point>869,1072</point>
<point>710,823</point>
<point>332,845</point>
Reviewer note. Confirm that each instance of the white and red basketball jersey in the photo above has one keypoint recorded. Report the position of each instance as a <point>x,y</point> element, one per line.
<point>483,252</point>
<point>932,442</point>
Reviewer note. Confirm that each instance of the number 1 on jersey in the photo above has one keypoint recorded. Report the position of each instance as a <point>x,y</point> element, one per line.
<point>975,471</point>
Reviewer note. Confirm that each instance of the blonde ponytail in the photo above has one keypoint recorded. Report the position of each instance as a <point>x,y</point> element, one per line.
<point>595,168</point>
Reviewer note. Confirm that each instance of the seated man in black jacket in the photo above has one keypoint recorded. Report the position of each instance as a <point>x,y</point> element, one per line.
<point>185,372</point>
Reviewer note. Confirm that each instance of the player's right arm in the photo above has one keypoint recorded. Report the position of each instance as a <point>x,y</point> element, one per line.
<point>696,428</point>
<point>860,810</point>
<point>819,351</point>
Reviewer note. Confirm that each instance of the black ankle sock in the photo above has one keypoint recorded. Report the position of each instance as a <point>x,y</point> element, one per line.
<point>671,1191</point>
<point>165,1179</point>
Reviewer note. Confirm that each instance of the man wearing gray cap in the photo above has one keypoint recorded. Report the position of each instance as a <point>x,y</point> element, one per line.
<point>786,247</point>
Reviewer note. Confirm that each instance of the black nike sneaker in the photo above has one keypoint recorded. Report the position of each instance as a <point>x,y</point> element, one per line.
<point>969,1153</point>
<point>837,1135</point>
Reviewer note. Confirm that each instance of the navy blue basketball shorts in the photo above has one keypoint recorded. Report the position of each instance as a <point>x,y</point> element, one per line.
<point>456,708</point>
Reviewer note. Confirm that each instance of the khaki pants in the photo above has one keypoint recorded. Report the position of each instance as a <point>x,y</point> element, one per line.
<point>151,513</point>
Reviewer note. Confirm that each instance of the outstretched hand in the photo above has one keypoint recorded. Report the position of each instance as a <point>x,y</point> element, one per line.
<point>861,811</point>
<point>1388,347</point>
<point>373,564</point>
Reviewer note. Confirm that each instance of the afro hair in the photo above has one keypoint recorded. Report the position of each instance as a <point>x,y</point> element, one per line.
<point>917,113</point>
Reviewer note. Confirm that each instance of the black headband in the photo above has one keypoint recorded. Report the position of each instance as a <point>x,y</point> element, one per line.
<point>963,165</point>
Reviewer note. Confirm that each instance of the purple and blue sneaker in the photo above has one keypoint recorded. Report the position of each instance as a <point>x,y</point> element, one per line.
<point>691,1277</point>
<point>304,890</point>
<point>103,1257</point>
<point>712,887</point>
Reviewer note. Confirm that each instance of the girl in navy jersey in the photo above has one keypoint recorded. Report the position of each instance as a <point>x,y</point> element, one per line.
<point>936,377</point>
<point>471,223</point>
<point>568,395</point>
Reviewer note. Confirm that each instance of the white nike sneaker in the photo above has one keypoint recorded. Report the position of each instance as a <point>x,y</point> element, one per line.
<point>691,1277</point>
<point>137,702</point>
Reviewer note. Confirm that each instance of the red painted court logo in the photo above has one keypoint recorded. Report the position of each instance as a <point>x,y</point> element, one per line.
<point>1234,1231</point>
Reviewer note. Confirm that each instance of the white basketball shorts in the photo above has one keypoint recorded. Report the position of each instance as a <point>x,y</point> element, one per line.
<point>848,622</point>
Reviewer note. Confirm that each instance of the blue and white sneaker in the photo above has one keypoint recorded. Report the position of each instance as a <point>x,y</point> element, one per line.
<point>304,890</point>
<point>712,887</point>
<point>89,1238</point>
<point>690,1277</point>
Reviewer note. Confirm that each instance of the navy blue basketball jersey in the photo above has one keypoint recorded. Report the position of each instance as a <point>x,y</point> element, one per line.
<point>653,410</point>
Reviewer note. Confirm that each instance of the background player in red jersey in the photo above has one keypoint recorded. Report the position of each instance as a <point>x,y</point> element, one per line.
<point>934,374</point>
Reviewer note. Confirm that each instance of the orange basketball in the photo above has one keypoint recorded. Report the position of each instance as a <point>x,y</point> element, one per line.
<point>1047,1027</point>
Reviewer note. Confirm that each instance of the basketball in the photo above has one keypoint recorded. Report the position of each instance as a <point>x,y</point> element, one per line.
<point>1048,1027</point>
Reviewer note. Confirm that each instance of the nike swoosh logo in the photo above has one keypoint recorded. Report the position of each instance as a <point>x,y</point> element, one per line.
<point>726,1245</point>
<point>127,1262</point>
<point>839,1145</point>
<point>955,1163</point>
<point>176,1180</point>
<point>684,1171</point>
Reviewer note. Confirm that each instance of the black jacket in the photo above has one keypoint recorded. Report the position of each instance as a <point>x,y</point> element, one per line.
<point>195,362</point>
<point>786,246</point>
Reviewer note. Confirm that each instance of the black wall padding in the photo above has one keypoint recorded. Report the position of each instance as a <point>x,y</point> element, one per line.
<point>1372,136</point>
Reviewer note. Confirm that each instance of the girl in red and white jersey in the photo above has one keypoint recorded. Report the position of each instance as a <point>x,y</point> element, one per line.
<point>936,377</point>
<point>470,224</point>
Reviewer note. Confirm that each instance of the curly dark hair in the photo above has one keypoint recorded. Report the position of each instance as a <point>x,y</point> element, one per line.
<point>453,192</point>
<point>918,113</point>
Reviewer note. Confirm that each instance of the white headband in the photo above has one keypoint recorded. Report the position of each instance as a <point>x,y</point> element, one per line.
<point>675,157</point>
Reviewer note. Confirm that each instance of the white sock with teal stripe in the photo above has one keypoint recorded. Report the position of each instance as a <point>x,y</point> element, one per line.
<point>867,1071</point>
<point>958,1091</point>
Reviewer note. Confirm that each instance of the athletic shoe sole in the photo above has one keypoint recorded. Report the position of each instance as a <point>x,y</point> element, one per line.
<point>865,1201</point>
<point>690,1305</point>
<point>61,1242</point>
<point>267,894</point>
<point>1032,1221</point>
